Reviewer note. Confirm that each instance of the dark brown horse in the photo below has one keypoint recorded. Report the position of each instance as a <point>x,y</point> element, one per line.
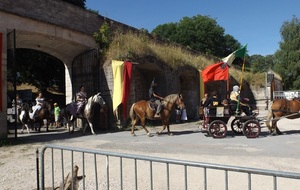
<point>141,110</point>
<point>43,114</point>
<point>281,108</point>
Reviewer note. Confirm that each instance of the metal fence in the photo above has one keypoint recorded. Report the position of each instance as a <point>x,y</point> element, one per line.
<point>110,170</point>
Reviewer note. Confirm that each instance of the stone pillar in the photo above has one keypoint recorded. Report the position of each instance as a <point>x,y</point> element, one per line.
<point>68,82</point>
<point>3,64</point>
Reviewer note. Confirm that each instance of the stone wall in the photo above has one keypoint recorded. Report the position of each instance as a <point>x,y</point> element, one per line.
<point>60,13</point>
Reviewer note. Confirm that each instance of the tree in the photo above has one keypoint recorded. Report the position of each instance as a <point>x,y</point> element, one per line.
<point>79,3</point>
<point>200,33</point>
<point>287,58</point>
<point>38,69</point>
<point>259,63</point>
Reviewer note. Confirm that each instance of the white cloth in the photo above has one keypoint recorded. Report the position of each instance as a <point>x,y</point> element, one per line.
<point>183,115</point>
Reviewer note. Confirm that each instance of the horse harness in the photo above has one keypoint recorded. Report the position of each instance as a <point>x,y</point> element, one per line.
<point>285,109</point>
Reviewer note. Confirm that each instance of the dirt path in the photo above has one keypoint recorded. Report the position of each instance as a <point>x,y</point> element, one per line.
<point>18,162</point>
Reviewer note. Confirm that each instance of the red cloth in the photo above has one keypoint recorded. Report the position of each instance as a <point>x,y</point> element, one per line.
<point>1,71</point>
<point>217,71</point>
<point>126,86</point>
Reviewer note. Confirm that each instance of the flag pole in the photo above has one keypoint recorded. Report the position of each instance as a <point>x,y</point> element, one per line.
<point>241,82</point>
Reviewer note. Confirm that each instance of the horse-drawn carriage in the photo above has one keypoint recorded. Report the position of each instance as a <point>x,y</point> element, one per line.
<point>216,119</point>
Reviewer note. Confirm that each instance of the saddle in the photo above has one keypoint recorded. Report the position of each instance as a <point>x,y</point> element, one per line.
<point>152,105</point>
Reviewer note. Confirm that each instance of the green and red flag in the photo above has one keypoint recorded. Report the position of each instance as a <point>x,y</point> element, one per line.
<point>237,53</point>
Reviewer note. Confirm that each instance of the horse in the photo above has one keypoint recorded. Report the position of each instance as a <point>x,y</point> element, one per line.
<point>281,108</point>
<point>87,113</point>
<point>24,117</point>
<point>42,115</point>
<point>141,110</point>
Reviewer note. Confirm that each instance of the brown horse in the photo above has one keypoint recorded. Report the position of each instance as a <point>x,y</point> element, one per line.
<point>141,110</point>
<point>43,114</point>
<point>281,108</point>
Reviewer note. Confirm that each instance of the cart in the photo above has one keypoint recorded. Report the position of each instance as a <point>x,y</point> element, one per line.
<point>216,119</point>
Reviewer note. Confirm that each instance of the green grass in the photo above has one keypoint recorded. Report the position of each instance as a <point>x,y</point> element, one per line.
<point>133,47</point>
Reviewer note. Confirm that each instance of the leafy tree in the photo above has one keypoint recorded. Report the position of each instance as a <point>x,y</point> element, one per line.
<point>37,68</point>
<point>80,3</point>
<point>200,33</point>
<point>103,38</point>
<point>259,63</point>
<point>287,59</point>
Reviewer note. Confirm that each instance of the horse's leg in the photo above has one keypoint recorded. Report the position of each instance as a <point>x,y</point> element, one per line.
<point>144,127</point>
<point>47,126</point>
<point>164,127</point>
<point>168,128</point>
<point>165,124</point>
<point>133,123</point>
<point>273,128</point>
<point>91,126</point>
<point>27,128</point>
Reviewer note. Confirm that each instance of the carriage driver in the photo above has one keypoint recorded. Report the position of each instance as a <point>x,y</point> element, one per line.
<point>234,95</point>
<point>81,99</point>
<point>154,97</point>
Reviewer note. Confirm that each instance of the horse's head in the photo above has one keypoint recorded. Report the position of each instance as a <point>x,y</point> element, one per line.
<point>179,101</point>
<point>98,99</point>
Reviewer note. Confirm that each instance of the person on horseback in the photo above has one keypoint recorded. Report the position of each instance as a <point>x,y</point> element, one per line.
<point>40,102</point>
<point>81,99</point>
<point>234,99</point>
<point>155,97</point>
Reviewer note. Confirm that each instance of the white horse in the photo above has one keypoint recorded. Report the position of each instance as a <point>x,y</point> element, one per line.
<point>87,113</point>
<point>24,117</point>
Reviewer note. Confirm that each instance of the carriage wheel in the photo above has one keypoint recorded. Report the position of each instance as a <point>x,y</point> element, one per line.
<point>237,126</point>
<point>217,129</point>
<point>251,129</point>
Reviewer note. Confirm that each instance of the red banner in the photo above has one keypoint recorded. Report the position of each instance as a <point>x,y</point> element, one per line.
<point>217,71</point>
<point>126,86</point>
<point>1,71</point>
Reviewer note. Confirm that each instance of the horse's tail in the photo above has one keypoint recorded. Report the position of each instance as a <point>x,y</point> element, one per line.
<point>132,113</point>
<point>269,117</point>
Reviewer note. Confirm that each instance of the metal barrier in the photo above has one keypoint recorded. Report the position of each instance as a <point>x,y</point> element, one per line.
<point>109,170</point>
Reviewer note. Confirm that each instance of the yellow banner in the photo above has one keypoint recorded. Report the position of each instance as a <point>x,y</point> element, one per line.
<point>118,71</point>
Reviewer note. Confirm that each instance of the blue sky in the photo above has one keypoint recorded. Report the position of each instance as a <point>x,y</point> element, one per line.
<point>253,22</point>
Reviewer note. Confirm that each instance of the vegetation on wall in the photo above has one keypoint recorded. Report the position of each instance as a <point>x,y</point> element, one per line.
<point>132,46</point>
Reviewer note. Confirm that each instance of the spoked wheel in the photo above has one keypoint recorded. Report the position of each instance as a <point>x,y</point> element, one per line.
<point>217,129</point>
<point>251,129</point>
<point>237,126</point>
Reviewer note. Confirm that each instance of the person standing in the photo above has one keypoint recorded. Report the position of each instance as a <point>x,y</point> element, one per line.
<point>56,114</point>
<point>204,99</point>
<point>17,104</point>
<point>155,97</point>
<point>212,102</point>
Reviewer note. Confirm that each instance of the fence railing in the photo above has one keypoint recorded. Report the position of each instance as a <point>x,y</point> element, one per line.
<point>110,170</point>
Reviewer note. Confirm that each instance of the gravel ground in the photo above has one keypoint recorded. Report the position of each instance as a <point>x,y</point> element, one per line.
<point>280,153</point>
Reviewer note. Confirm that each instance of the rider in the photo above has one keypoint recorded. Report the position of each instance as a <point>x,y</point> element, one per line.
<point>40,102</point>
<point>81,99</point>
<point>234,99</point>
<point>154,97</point>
